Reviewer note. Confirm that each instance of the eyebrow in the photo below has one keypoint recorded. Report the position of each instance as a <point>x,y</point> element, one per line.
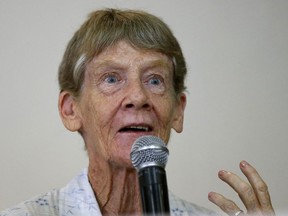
<point>158,63</point>
<point>146,65</point>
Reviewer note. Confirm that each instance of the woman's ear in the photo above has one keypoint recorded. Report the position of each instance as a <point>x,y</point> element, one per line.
<point>69,112</point>
<point>178,120</point>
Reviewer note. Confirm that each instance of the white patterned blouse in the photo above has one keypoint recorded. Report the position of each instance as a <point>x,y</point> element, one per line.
<point>77,198</point>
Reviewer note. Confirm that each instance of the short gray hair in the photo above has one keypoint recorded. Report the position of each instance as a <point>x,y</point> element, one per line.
<point>105,28</point>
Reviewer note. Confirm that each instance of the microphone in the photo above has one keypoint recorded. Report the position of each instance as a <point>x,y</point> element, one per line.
<point>149,156</point>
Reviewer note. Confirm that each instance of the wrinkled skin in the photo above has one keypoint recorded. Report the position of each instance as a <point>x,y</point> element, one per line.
<point>127,93</point>
<point>254,193</point>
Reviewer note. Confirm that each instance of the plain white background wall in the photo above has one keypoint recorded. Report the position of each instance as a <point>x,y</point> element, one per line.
<point>237,55</point>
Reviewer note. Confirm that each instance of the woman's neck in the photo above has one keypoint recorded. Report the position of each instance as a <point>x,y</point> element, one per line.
<point>116,188</point>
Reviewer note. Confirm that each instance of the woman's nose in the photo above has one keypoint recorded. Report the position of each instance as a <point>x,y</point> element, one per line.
<point>136,96</point>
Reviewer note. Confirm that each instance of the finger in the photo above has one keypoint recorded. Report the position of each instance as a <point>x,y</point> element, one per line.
<point>244,190</point>
<point>259,186</point>
<point>228,206</point>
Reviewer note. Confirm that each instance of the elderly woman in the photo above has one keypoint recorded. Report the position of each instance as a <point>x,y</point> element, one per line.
<point>122,77</point>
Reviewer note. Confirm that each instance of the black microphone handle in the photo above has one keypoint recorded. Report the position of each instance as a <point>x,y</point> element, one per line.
<point>154,191</point>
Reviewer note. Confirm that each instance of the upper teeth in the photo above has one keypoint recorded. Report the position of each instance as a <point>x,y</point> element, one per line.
<point>139,128</point>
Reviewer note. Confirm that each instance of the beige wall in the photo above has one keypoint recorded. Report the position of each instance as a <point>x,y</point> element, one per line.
<point>237,54</point>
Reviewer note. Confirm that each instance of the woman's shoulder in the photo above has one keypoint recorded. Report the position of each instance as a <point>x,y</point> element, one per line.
<point>76,198</point>
<point>43,204</point>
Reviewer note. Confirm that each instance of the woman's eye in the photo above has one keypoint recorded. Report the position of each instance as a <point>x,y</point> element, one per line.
<point>155,81</point>
<point>111,79</point>
<point>110,82</point>
<point>156,84</point>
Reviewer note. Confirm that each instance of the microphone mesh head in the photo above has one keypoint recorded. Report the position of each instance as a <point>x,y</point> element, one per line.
<point>149,151</point>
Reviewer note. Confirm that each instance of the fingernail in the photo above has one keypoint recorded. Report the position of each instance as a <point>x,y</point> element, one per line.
<point>222,172</point>
<point>210,195</point>
<point>244,163</point>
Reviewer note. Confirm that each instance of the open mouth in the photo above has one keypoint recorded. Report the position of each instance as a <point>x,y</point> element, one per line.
<point>135,129</point>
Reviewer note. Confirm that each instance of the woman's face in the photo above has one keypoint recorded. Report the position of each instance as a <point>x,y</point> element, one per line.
<point>127,93</point>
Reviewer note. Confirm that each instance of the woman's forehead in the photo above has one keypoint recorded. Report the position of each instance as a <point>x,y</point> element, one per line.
<point>123,53</point>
